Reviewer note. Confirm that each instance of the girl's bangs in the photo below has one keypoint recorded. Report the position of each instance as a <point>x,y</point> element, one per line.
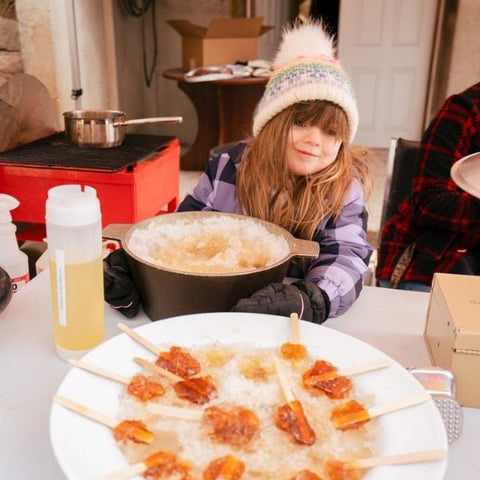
<point>324,114</point>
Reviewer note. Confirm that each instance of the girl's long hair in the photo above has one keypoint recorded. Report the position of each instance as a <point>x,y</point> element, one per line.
<point>268,190</point>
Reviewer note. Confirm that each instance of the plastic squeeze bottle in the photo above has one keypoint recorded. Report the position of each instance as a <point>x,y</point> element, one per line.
<point>12,259</point>
<point>74,237</point>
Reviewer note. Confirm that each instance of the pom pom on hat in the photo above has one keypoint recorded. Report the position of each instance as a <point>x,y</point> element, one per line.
<point>305,69</point>
<point>308,40</point>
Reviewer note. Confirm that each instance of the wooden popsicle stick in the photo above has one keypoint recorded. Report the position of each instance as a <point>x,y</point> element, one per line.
<point>130,471</point>
<point>368,367</point>
<point>85,411</point>
<point>161,371</point>
<point>141,340</point>
<point>136,469</point>
<point>398,405</point>
<point>175,412</point>
<point>100,371</point>
<point>294,326</point>
<point>413,457</point>
<point>287,391</point>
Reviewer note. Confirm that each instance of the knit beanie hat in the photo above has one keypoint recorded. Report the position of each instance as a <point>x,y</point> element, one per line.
<point>305,69</point>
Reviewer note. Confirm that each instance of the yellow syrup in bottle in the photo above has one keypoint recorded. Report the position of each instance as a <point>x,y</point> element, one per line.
<point>78,304</point>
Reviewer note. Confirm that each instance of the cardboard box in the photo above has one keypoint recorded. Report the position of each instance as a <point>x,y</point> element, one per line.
<point>225,41</point>
<point>452,332</point>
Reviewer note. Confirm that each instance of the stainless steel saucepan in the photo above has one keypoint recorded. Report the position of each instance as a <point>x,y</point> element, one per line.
<point>104,128</point>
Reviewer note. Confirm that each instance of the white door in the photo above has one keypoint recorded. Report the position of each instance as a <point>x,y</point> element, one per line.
<point>386,46</point>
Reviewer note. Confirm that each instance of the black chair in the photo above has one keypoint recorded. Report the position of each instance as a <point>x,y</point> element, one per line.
<point>219,149</point>
<point>402,164</point>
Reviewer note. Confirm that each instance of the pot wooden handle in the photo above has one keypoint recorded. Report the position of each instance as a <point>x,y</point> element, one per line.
<point>304,248</point>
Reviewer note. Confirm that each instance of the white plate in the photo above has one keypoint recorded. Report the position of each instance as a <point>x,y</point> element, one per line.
<point>86,450</point>
<point>466,174</point>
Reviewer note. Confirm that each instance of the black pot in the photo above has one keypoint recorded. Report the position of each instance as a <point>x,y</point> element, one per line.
<point>166,293</point>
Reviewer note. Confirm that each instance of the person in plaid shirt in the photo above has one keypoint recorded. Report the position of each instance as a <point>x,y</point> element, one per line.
<point>300,171</point>
<point>437,228</point>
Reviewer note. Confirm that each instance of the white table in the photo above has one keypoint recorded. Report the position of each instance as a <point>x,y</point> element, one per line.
<point>390,320</point>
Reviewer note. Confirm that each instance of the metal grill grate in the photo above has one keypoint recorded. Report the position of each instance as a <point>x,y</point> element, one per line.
<point>57,152</point>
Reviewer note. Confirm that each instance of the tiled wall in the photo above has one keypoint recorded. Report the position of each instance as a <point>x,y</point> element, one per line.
<point>10,49</point>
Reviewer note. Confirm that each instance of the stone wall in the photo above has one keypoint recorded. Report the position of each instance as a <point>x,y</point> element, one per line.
<point>10,49</point>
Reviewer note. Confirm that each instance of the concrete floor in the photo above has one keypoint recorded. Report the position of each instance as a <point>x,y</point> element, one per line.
<point>375,202</point>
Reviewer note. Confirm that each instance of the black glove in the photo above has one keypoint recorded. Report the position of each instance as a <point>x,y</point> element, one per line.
<point>282,299</point>
<point>118,285</point>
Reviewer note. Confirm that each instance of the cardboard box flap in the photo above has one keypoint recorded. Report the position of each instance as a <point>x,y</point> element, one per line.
<point>463,299</point>
<point>188,29</point>
<point>467,341</point>
<point>226,40</point>
<point>452,331</point>
<point>462,296</point>
<point>265,29</point>
<point>235,28</point>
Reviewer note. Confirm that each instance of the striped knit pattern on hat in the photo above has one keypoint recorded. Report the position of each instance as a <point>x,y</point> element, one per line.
<point>305,69</point>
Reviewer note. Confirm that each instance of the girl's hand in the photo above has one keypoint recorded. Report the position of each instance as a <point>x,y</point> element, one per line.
<point>282,299</point>
<point>119,287</point>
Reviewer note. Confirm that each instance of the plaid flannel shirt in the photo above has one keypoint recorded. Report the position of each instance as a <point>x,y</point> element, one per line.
<point>344,251</point>
<point>442,219</point>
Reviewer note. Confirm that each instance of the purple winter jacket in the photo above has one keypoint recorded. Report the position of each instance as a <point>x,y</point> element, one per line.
<point>344,252</point>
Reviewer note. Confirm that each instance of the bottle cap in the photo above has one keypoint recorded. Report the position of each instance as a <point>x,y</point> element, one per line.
<point>70,206</point>
<point>7,203</point>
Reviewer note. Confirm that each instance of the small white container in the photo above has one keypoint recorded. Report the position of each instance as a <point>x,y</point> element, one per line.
<point>74,237</point>
<point>12,259</point>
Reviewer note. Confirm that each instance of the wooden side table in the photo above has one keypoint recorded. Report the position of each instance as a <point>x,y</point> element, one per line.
<point>224,111</point>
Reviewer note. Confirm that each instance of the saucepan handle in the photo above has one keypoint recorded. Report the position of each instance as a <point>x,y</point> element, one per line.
<point>115,231</point>
<point>141,121</point>
<point>305,248</point>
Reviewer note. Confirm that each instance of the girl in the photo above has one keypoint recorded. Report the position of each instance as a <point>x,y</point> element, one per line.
<point>300,171</point>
